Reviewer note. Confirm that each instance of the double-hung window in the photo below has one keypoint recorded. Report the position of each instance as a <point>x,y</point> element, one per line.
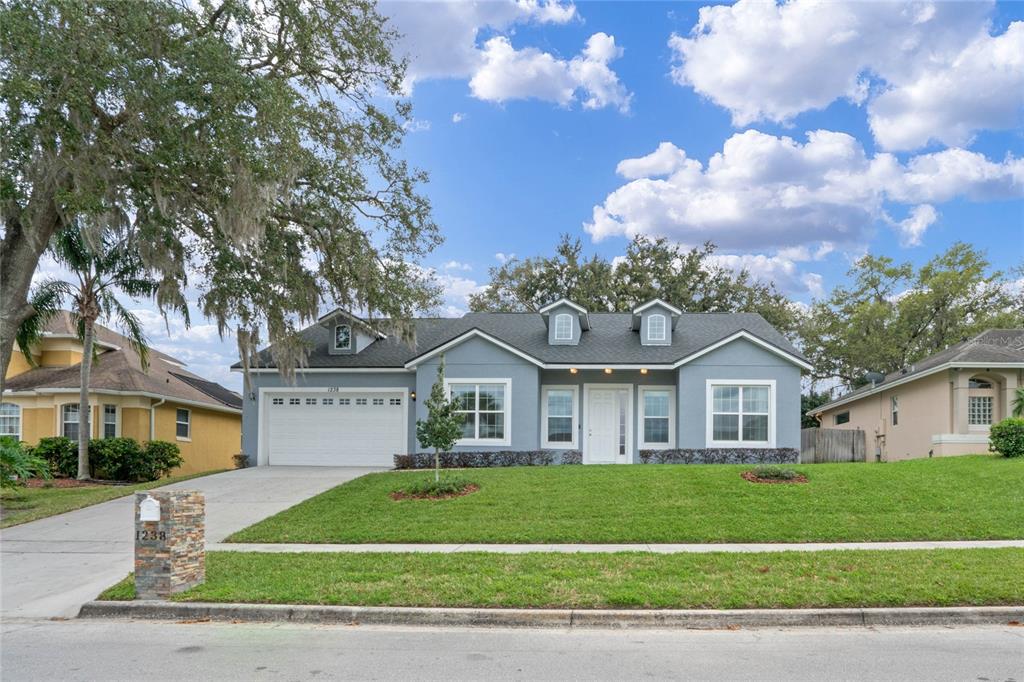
<point>183,424</point>
<point>656,327</point>
<point>110,421</point>
<point>69,421</point>
<point>10,420</point>
<point>894,410</point>
<point>657,422</point>
<point>560,417</point>
<point>484,406</point>
<point>563,327</point>
<point>741,414</point>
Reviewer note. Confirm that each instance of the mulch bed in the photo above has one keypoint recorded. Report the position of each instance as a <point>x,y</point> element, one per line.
<point>752,477</point>
<point>401,495</point>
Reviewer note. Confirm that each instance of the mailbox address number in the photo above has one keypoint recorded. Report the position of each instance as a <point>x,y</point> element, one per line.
<point>144,535</point>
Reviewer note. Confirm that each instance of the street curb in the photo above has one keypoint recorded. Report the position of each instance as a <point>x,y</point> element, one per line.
<point>701,619</point>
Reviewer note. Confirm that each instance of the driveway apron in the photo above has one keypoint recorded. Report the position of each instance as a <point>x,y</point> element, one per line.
<point>50,567</point>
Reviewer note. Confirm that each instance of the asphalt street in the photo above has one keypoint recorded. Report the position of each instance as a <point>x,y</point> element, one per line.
<point>139,650</point>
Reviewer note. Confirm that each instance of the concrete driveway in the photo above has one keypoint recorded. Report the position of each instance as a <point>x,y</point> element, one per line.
<point>50,567</point>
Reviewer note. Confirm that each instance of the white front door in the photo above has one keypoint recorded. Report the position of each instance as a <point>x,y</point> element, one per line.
<point>607,423</point>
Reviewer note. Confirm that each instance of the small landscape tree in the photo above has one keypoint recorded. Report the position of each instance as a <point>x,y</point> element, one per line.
<point>443,425</point>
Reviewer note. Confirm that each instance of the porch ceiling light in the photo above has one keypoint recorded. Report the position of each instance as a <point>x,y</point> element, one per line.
<point>573,370</point>
<point>607,370</point>
<point>643,370</point>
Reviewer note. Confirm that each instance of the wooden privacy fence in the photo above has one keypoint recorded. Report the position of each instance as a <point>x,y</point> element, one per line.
<point>832,445</point>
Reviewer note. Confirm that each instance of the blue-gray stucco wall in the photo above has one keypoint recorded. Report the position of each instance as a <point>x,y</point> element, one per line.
<point>250,426</point>
<point>739,360</point>
<point>476,358</point>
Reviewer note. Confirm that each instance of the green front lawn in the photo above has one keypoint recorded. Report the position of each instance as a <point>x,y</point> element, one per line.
<point>957,498</point>
<point>626,580</point>
<point>28,504</point>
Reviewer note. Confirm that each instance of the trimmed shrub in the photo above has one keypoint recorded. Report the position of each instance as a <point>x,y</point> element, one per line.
<point>18,463</point>
<point>721,456</point>
<point>61,453</point>
<point>485,459</point>
<point>241,460</point>
<point>161,458</point>
<point>114,459</point>
<point>1007,437</point>
<point>123,459</point>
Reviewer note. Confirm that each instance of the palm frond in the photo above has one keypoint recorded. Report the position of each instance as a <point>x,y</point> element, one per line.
<point>130,326</point>
<point>46,300</point>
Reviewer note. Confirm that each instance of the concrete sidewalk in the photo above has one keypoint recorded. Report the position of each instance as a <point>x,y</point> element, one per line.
<point>642,547</point>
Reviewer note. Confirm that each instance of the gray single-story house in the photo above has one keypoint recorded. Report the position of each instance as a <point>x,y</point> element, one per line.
<point>601,388</point>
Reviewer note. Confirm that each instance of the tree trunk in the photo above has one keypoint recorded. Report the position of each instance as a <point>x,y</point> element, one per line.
<point>437,466</point>
<point>84,431</point>
<point>20,249</point>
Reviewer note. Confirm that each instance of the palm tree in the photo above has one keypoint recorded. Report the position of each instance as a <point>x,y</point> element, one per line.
<point>1018,403</point>
<point>114,266</point>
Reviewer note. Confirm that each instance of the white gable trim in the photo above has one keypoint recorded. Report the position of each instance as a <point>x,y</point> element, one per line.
<point>753,339</point>
<point>465,337</point>
<point>657,301</point>
<point>563,301</point>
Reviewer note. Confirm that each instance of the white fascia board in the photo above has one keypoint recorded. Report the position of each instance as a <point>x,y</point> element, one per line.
<point>610,365</point>
<point>753,339</point>
<point>466,336</point>
<point>144,394</point>
<point>657,301</point>
<point>839,402</point>
<point>563,301</point>
<point>324,370</point>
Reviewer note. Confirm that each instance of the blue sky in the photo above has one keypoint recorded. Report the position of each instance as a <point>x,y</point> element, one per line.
<point>796,136</point>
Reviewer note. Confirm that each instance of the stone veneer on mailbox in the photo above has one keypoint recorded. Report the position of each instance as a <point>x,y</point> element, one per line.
<point>170,554</point>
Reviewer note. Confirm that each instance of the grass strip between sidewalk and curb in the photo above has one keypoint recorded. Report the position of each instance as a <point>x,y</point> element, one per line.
<point>955,498</point>
<point>22,505</point>
<point>970,577</point>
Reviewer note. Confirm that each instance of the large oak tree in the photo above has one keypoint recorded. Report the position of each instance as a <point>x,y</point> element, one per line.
<point>245,148</point>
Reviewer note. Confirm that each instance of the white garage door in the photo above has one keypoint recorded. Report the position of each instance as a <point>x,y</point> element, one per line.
<point>350,428</point>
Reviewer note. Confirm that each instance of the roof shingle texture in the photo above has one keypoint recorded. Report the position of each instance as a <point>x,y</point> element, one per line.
<point>121,370</point>
<point>610,339</point>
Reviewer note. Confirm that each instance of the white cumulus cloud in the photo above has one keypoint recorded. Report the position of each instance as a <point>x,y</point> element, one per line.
<point>529,73</point>
<point>767,192</point>
<point>926,70</point>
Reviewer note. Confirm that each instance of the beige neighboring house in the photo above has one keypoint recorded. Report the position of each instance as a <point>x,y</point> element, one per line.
<point>163,402</point>
<point>942,405</point>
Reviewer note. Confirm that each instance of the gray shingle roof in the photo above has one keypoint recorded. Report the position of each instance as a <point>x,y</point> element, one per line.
<point>994,345</point>
<point>609,340</point>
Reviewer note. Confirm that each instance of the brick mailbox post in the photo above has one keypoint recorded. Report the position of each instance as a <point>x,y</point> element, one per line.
<point>170,542</point>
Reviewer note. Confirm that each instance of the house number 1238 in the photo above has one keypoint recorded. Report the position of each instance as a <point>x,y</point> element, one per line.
<point>144,535</point>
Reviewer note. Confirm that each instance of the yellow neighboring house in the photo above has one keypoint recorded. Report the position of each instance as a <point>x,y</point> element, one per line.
<point>942,405</point>
<point>164,402</point>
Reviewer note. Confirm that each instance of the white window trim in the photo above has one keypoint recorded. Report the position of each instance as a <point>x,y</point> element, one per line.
<point>664,328</point>
<point>574,443</point>
<point>559,337</point>
<point>709,414</point>
<point>894,411</point>
<point>20,416</point>
<point>187,438</point>
<point>644,445</point>
<point>103,419</point>
<point>835,418</point>
<point>336,328</point>
<point>61,422</point>
<point>507,382</point>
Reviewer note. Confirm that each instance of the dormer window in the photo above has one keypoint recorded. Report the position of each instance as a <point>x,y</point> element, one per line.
<point>656,328</point>
<point>343,337</point>
<point>563,327</point>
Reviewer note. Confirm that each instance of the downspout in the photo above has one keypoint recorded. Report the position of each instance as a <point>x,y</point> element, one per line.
<point>152,417</point>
